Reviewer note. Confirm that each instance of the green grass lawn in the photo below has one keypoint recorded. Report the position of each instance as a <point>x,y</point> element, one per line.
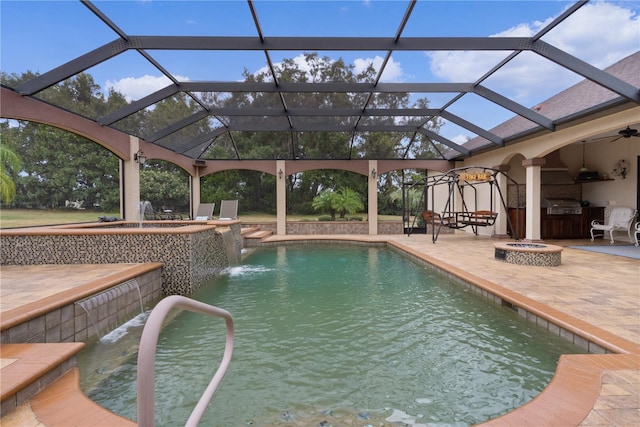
<point>12,218</point>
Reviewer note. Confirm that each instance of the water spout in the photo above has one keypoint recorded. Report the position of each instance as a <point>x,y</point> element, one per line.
<point>101,319</point>
<point>230,246</point>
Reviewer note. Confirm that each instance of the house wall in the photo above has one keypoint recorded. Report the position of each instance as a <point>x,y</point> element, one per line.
<point>603,156</point>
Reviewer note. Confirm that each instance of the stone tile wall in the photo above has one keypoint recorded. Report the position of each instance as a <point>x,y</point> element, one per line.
<point>71,323</point>
<point>190,259</point>
<point>329,227</point>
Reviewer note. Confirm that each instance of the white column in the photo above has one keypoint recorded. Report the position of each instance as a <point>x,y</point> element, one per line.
<point>130,184</point>
<point>532,169</point>
<point>372,208</point>
<point>195,193</point>
<point>281,197</point>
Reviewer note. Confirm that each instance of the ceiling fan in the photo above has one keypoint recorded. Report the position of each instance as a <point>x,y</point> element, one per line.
<point>628,132</point>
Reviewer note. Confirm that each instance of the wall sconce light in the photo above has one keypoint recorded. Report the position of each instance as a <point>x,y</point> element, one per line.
<point>373,173</point>
<point>280,173</point>
<point>139,157</point>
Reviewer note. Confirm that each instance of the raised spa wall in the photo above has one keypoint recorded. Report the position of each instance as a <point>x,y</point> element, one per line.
<point>191,253</point>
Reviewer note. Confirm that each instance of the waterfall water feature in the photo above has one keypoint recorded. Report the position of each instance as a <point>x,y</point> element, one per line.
<point>104,319</point>
<point>230,246</point>
<point>145,209</point>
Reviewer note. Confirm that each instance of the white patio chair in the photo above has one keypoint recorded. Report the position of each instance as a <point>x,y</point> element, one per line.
<point>205,211</point>
<point>636,234</point>
<point>620,219</point>
<point>228,210</point>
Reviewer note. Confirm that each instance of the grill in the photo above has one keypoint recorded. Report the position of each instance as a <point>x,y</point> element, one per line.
<point>562,206</point>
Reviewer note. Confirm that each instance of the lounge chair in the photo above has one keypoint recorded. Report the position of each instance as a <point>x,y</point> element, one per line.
<point>228,210</point>
<point>205,211</point>
<point>620,219</point>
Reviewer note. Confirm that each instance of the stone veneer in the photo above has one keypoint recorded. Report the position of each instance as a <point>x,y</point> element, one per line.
<point>191,253</point>
<point>529,254</point>
<point>329,227</point>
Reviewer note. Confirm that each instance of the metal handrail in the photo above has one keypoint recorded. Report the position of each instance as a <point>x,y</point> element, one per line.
<point>147,357</point>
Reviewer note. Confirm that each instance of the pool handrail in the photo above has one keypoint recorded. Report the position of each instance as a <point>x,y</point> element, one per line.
<point>147,357</point>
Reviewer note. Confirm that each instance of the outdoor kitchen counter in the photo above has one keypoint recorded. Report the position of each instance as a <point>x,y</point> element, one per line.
<point>559,226</point>
<point>569,226</point>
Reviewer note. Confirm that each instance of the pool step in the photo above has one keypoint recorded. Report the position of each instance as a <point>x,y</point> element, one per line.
<point>261,234</point>
<point>254,238</point>
<point>40,381</point>
<point>28,369</point>
<point>63,404</point>
<point>248,230</point>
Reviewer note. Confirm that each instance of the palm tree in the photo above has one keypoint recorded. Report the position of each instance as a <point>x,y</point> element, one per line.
<point>8,161</point>
<point>345,201</point>
<point>326,201</point>
<point>348,202</point>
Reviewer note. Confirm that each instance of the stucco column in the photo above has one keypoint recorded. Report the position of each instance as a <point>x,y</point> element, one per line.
<point>281,197</point>
<point>532,169</point>
<point>502,222</point>
<point>130,184</point>
<point>195,193</point>
<point>372,208</point>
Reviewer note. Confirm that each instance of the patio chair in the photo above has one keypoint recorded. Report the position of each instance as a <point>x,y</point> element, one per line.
<point>205,211</point>
<point>636,234</point>
<point>228,210</point>
<point>620,219</point>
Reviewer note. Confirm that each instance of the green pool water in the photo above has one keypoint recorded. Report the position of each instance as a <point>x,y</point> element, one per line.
<point>335,336</point>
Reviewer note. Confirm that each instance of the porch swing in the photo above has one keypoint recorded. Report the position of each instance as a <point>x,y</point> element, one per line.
<point>458,180</point>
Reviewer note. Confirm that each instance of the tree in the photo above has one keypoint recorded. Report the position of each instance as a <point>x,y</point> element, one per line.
<point>58,165</point>
<point>326,201</point>
<point>344,201</point>
<point>348,202</point>
<point>164,189</point>
<point>9,164</point>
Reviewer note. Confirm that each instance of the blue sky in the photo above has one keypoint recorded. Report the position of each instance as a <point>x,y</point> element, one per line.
<point>40,35</point>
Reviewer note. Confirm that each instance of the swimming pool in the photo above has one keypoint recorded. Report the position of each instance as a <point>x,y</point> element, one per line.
<point>341,335</point>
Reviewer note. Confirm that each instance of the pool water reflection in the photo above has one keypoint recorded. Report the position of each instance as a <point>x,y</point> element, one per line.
<point>339,335</point>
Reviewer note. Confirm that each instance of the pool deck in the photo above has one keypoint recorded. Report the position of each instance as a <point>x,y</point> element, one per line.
<point>595,294</point>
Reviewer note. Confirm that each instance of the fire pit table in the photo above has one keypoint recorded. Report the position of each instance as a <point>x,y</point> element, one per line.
<point>528,253</point>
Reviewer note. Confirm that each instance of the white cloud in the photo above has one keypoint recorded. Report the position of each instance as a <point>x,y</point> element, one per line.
<point>459,139</point>
<point>134,88</point>
<point>392,71</point>
<point>299,60</point>
<point>599,33</point>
